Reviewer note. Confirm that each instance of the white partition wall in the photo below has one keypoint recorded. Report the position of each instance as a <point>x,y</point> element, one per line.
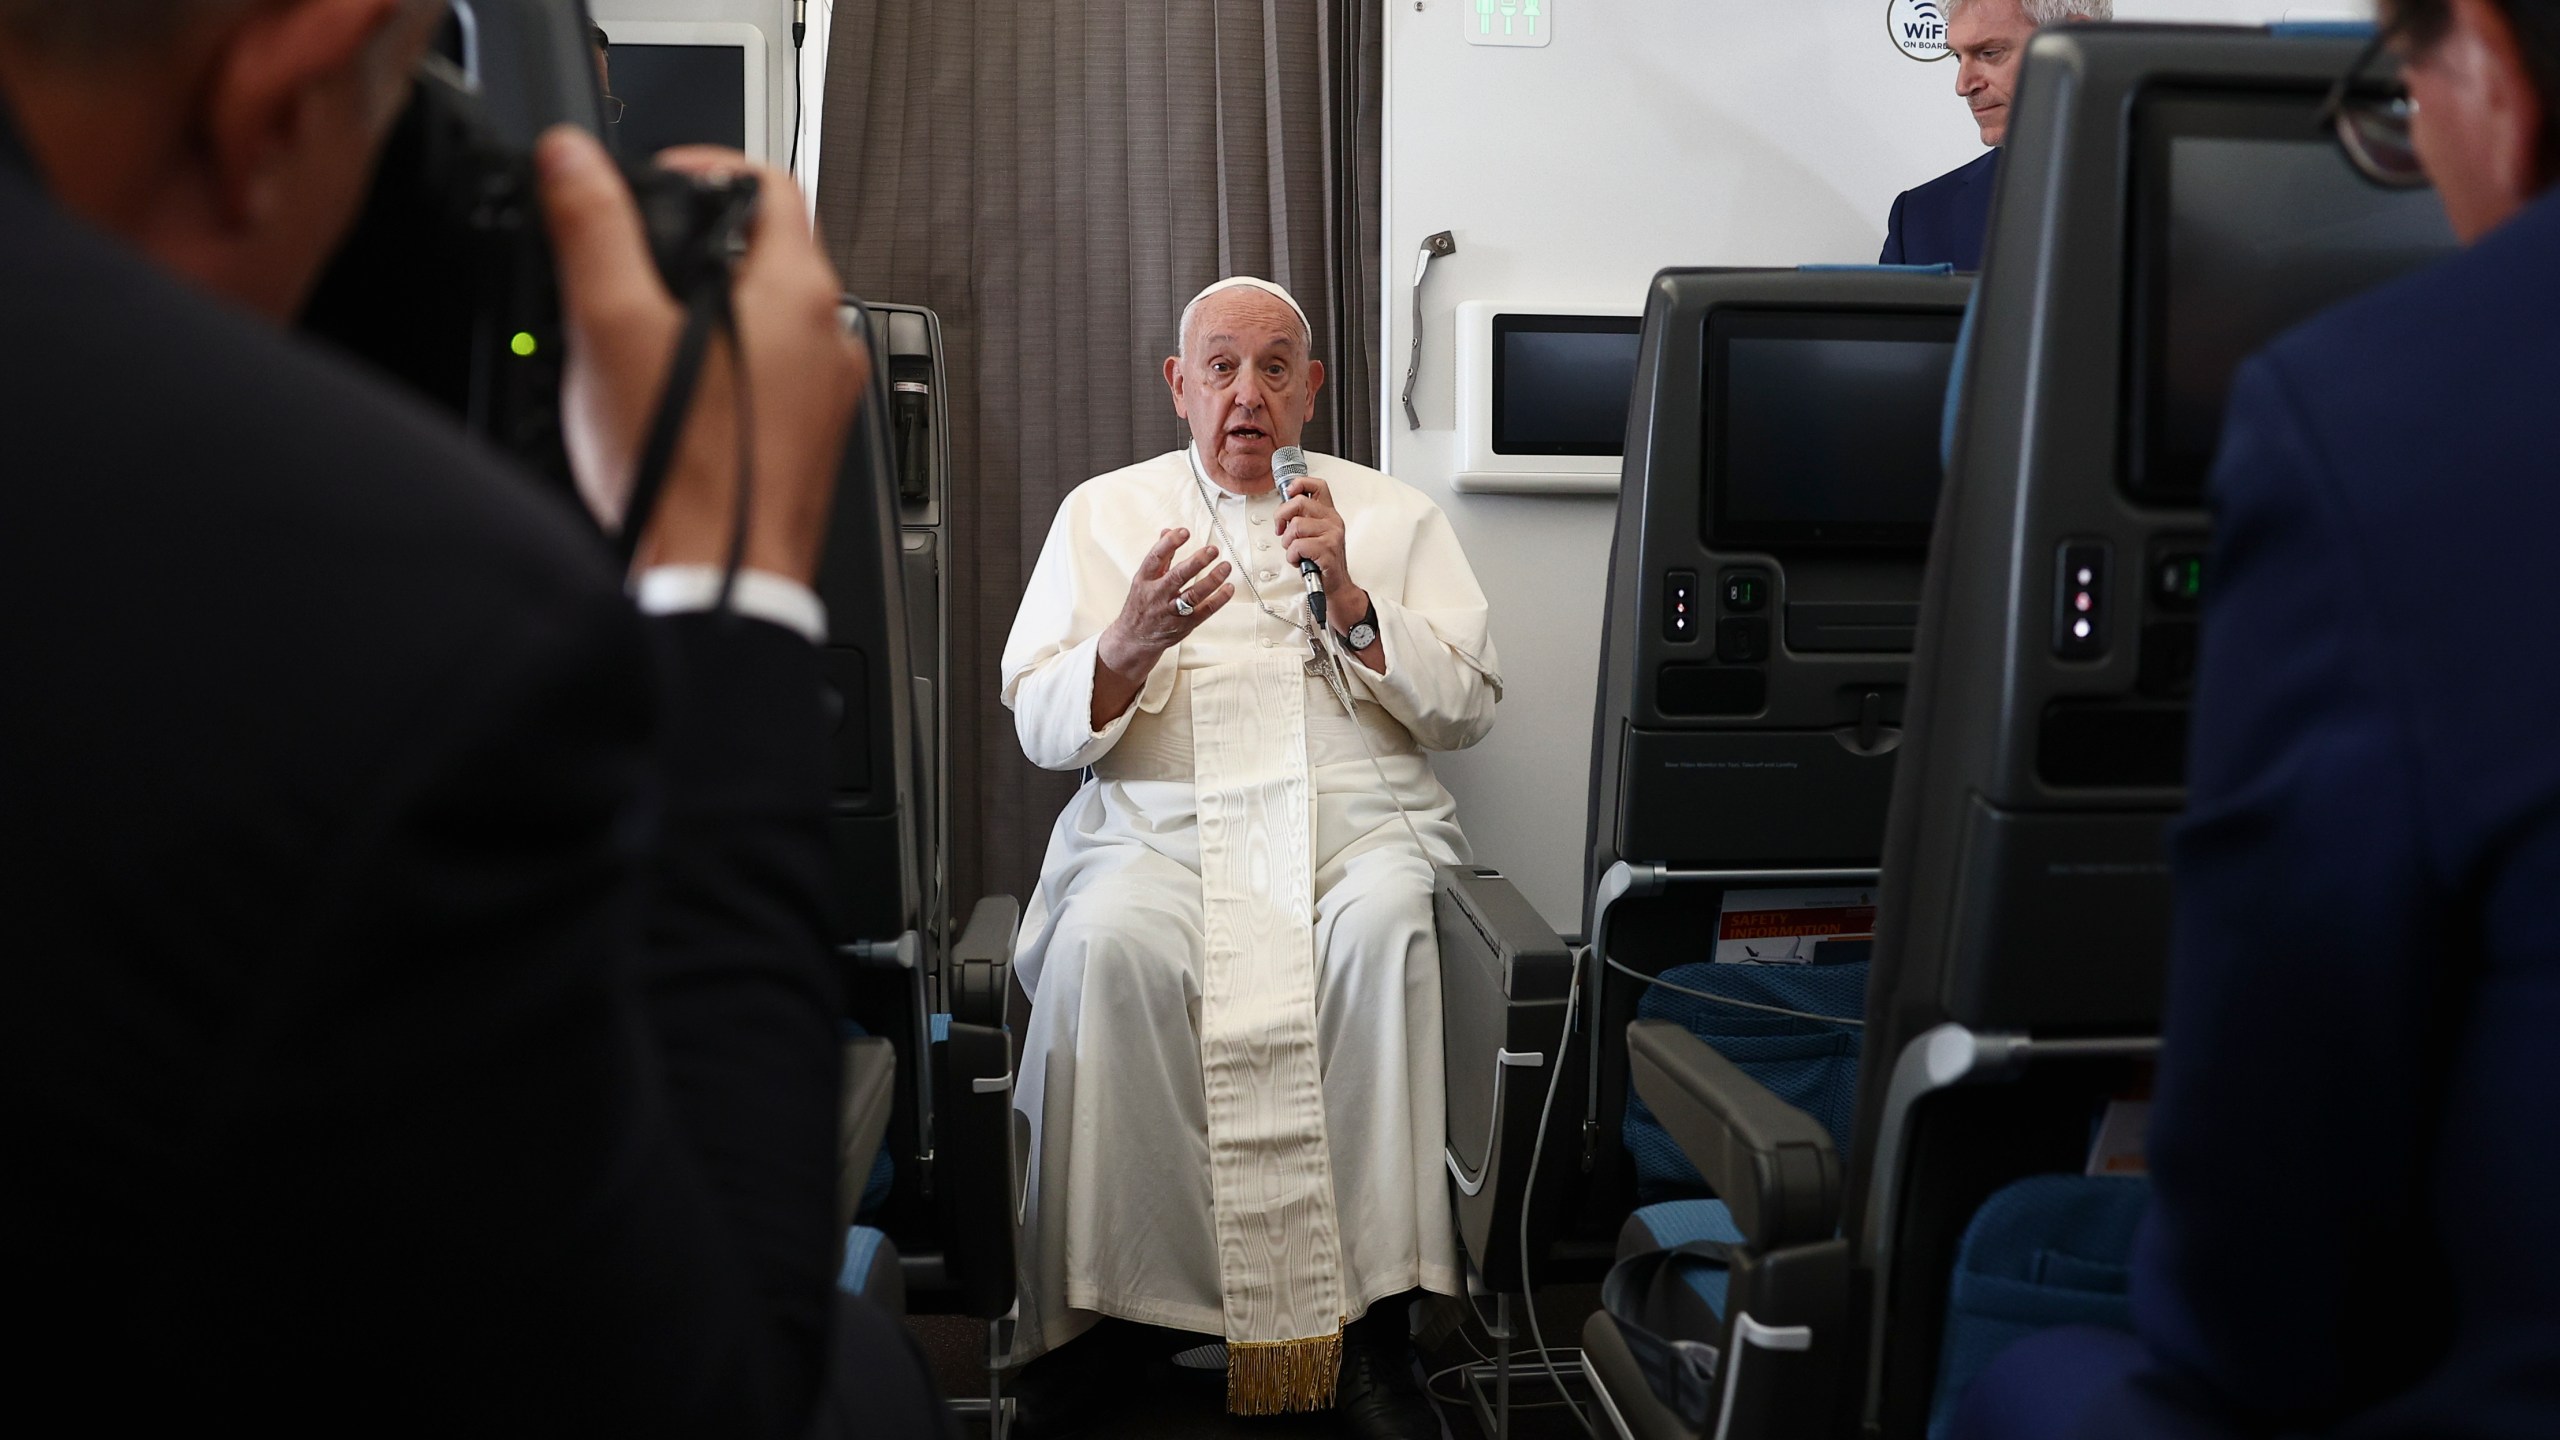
<point>1641,134</point>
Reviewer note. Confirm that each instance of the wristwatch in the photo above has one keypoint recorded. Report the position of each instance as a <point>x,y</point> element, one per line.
<point>1364,631</point>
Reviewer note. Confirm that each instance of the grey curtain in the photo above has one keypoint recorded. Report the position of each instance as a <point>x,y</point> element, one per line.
<point>1055,180</point>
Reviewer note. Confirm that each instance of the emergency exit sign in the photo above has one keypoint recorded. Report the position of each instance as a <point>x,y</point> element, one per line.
<point>1507,22</point>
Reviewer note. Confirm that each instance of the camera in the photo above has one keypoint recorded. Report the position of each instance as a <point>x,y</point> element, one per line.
<point>446,281</point>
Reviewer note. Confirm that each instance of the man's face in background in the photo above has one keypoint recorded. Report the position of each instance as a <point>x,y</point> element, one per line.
<point>1988,38</point>
<point>2479,123</point>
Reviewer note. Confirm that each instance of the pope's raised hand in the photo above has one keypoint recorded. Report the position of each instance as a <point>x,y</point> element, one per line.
<point>1168,599</point>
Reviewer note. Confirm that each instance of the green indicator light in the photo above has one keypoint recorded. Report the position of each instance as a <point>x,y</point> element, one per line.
<point>523,344</point>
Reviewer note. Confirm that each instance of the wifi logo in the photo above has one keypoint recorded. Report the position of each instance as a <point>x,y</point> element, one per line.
<point>1918,27</point>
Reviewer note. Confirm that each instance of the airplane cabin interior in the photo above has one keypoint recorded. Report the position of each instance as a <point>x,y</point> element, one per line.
<point>1820,937</point>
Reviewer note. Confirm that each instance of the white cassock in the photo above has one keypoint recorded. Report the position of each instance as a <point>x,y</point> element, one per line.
<point>1232,1076</point>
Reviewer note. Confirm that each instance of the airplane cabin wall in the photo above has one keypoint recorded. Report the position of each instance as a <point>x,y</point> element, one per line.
<point>1648,133</point>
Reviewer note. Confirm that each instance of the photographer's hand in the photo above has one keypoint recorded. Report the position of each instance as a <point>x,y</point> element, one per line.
<point>805,377</point>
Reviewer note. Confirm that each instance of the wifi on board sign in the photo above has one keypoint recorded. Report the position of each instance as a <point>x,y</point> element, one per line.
<point>1919,27</point>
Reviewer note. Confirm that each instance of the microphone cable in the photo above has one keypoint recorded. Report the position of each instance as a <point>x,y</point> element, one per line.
<point>1853,1022</point>
<point>1335,659</point>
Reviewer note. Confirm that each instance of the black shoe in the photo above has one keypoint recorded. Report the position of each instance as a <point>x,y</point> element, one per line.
<point>1379,1399</point>
<point>1074,1390</point>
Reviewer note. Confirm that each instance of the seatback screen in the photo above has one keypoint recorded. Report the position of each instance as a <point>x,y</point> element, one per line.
<point>1561,383</point>
<point>1822,427</point>
<point>679,95</point>
<point>2250,221</point>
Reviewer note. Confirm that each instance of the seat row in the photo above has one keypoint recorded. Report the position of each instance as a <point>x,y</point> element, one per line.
<point>1843,1090</point>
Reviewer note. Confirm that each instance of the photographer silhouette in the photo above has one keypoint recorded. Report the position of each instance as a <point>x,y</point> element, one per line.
<point>421,1016</point>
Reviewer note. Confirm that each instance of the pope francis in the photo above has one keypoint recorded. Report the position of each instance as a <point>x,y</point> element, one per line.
<point>1232,1072</point>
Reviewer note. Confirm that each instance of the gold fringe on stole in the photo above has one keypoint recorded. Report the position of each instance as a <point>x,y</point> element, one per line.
<point>1283,1377</point>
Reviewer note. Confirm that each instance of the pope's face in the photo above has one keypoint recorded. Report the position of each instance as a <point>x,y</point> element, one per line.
<point>1246,384</point>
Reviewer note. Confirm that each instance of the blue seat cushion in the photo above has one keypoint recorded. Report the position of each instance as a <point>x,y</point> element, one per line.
<point>1810,1064</point>
<point>2043,1252</point>
<point>871,1271</point>
<point>1696,1307</point>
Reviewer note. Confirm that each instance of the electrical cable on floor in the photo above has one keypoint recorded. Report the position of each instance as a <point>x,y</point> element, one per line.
<point>1430,1382</point>
<point>1483,1357</point>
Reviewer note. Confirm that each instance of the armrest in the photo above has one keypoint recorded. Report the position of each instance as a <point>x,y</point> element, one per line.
<point>1504,976</point>
<point>1769,1162</point>
<point>870,1087</point>
<point>980,1170</point>
<point>982,962</point>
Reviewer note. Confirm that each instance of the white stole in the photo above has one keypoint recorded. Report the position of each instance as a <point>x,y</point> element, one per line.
<point>1271,1174</point>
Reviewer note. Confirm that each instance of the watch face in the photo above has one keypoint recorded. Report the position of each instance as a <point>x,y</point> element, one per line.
<point>1362,636</point>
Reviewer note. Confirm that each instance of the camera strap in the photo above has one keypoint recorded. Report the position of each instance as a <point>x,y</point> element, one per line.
<point>707,313</point>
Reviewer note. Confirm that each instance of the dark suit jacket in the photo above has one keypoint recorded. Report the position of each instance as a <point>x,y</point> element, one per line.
<point>418,1015</point>
<point>2357,1136</point>
<point>1943,222</point>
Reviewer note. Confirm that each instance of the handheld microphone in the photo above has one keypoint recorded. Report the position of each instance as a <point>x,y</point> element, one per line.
<point>1289,466</point>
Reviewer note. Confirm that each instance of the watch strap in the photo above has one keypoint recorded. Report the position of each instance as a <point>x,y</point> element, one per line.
<point>1368,620</point>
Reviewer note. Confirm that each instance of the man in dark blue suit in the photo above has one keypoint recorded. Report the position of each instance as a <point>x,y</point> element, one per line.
<point>2354,1140</point>
<point>1942,222</point>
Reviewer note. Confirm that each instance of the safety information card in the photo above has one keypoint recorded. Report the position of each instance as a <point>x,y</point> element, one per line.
<point>1782,927</point>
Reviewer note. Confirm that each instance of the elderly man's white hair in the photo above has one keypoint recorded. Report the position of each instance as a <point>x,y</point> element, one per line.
<point>1306,332</point>
<point>2049,12</point>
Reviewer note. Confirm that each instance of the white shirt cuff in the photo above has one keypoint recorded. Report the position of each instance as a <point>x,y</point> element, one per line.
<point>758,595</point>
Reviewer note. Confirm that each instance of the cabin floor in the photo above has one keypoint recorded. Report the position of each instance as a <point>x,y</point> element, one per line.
<point>1188,1405</point>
